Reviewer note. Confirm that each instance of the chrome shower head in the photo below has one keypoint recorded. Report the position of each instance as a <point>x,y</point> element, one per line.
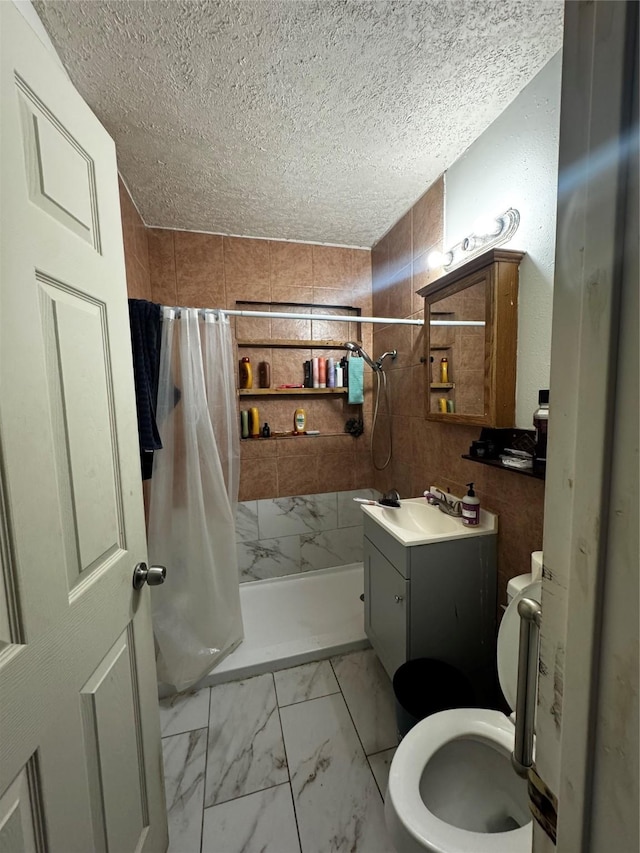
<point>354,347</point>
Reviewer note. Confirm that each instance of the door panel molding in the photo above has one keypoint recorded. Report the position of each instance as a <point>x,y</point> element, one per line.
<point>39,126</point>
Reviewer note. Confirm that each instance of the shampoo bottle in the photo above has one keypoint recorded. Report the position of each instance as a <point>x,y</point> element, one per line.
<point>254,419</point>
<point>322,372</point>
<point>245,374</point>
<point>470,508</point>
<point>264,374</point>
<point>299,421</point>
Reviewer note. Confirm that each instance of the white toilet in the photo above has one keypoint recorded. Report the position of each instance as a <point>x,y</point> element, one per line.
<point>451,786</point>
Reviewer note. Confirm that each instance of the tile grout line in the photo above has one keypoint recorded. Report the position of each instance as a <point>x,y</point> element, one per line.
<point>284,746</point>
<point>309,698</point>
<point>206,771</point>
<point>244,796</point>
<point>353,723</point>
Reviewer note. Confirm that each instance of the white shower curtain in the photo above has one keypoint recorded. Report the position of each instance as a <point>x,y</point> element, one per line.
<point>194,490</point>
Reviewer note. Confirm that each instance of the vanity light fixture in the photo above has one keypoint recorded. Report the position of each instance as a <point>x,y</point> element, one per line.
<point>439,259</point>
<point>488,232</point>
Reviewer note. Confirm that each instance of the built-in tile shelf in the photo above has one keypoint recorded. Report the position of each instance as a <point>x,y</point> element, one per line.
<point>496,463</point>
<point>439,386</point>
<point>263,392</point>
<point>293,344</point>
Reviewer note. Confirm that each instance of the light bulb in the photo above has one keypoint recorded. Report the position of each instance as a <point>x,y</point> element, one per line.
<point>439,259</point>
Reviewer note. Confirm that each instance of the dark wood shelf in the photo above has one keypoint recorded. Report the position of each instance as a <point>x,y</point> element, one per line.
<point>287,436</point>
<point>496,463</point>
<point>275,392</point>
<point>265,343</point>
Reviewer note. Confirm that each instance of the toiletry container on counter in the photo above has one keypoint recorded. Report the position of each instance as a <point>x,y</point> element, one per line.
<point>470,508</point>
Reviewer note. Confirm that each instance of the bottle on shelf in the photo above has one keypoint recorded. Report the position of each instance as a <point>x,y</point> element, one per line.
<point>299,421</point>
<point>254,419</point>
<point>245,375</point>
<point>541,425</point>
<point>444,371</point>
<point>331,373</point>
<point>264,374</point>
<point>322,372</point>
<point>308,378</point>
<point>244,423</point>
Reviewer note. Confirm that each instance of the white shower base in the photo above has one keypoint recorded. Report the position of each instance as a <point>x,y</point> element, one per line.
<point>296,619</point>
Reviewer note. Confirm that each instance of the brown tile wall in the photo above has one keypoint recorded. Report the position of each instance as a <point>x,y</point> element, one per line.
<point>206,270</point>
<point>427,452</point>
<point>136,248</point>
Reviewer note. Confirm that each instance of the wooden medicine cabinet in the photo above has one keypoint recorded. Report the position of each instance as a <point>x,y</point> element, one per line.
<point>471,320</point>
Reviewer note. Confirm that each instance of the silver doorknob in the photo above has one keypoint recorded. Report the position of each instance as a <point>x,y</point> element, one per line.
<point>153,575</point>
<point>398,598</point>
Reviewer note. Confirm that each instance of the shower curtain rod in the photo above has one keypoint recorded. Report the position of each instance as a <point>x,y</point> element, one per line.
<point>337,318</point>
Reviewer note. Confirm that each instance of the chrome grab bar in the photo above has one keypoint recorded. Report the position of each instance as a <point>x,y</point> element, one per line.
<point>530,615</point>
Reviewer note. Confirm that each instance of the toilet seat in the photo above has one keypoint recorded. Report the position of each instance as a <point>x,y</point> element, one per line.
<point>404,805</point>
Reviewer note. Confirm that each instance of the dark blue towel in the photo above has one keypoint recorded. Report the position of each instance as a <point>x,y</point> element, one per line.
<point>144,319</point>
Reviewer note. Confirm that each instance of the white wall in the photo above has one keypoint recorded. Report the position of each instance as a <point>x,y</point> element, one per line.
<point>514,163</point>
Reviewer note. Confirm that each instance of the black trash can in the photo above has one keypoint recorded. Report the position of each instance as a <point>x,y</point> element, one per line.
<point>425,686</point>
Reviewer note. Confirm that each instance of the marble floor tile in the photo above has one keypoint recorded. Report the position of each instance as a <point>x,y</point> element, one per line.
<point>368,692</point>
<point>183,712</point>
<point>309,681</point>
<point>268,558</point>
<point>247,521</point>
<point>263,822</point>
<point>184,758</point>
<point>380,764</point>
<point>330,548</point>
<point>338,806</point>
<point>300,514</point>
<point>246,752</point>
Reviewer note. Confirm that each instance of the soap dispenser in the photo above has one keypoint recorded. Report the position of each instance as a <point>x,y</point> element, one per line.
<point>470,508</point>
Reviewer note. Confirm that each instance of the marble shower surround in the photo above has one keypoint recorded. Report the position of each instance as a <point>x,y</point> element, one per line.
<point>284,536</point>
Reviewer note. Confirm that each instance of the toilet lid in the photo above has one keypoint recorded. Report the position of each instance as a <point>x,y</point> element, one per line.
<point>509,641</point>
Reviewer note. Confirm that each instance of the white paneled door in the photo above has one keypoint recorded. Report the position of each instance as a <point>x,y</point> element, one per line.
<point>80,759</point>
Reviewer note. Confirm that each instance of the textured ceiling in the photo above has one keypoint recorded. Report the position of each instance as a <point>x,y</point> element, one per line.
<point>319,121</point>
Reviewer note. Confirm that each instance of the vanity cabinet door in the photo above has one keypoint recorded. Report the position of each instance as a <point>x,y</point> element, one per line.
<point>386,598</point>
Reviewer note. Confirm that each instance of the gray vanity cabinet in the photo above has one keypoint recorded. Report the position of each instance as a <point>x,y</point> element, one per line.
<point>436,601</point>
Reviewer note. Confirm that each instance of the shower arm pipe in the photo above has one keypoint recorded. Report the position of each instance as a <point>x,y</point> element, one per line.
<point>337,318</point>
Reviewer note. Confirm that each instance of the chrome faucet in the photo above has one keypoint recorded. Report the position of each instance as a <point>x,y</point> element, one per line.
<point>446,504</point>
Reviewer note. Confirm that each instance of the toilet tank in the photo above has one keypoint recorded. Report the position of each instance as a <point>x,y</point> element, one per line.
<point>516,585</point>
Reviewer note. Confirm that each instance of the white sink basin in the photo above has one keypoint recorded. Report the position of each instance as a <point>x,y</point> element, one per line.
<point>418,523</point>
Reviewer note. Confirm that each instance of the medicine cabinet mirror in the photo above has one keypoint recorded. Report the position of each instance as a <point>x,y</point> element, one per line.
<point>471,328</point>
